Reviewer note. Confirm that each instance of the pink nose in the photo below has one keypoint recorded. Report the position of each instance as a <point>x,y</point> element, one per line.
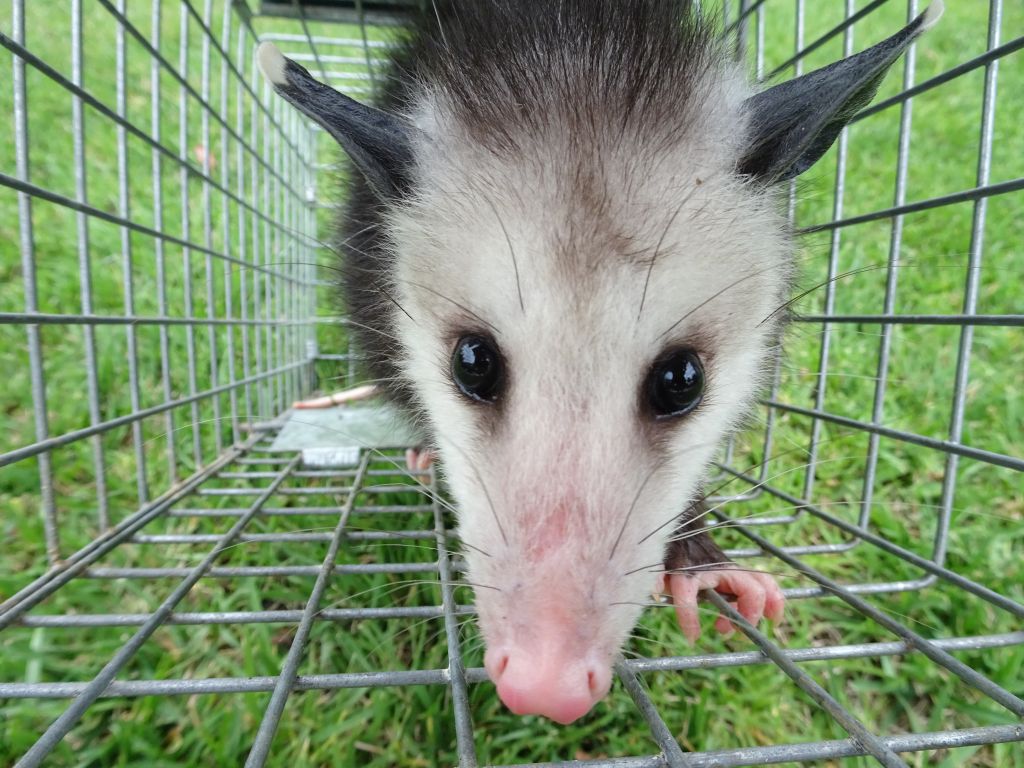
<point>550,684</point>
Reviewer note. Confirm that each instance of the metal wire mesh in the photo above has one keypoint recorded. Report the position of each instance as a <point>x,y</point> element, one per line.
<point>187,228</point>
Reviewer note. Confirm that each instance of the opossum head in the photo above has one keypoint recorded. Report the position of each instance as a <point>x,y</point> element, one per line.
<point>587,262</point>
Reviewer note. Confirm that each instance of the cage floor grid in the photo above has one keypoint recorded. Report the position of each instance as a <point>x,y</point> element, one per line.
<point>206,528</point>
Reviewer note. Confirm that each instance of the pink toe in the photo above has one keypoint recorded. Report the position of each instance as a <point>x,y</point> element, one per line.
<point>757,595</point>
<point>723,625</point>
<point>684,590</point>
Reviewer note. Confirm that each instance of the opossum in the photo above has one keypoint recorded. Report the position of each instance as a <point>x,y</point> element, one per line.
<point>564,255</point>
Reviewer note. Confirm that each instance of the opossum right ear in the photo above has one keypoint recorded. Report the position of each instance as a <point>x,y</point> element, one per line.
<point>793,124</point>
<point>378,142</point>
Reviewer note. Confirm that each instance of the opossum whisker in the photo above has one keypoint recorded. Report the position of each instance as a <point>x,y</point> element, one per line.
<point>906,264</point>
<point>796,448</point>
<point>402,470</point>
<point>378,331</point>
<point>735,521</point>
<point>431,547</point>
<point>648,640</point>
<point>689,570</point>
<point>389,587</point>
<point>657,604</point>
<point>632,506</point>
<point>729,287</point>
<point>657,249</point>
<point>463,307</point>
<point>407,629</point>
<point>733,479</point>
<point>657,568</point>
<point>511,251</point>
<point>403,583</point>
<point>767,480</point>
<point>487,495</point>
<point>640,490</point>
<point>394,301</point>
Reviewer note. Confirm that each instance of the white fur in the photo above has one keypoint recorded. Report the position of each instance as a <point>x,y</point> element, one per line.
<point>932,15</point>
<point>272,63</point>
<point>571,449</point>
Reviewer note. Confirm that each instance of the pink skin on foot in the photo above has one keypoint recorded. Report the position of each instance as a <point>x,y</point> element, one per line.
<point>756,595</point>
<point>418,460</point>
<point>338,398</point>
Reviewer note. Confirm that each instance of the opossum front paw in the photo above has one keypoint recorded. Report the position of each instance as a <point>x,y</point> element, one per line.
<point>418,459</point>
<point>756,596</point>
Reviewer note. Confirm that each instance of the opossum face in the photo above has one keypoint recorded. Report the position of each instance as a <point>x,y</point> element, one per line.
<point>586,262</point>
<point>582,331</point>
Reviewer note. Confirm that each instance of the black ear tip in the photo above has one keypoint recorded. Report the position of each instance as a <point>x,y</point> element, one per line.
<point>272,64</point>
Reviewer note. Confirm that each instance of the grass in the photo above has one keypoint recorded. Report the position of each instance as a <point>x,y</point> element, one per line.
<point>705,709</point>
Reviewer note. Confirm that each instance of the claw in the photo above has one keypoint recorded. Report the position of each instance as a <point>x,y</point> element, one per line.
<point>757,595</point>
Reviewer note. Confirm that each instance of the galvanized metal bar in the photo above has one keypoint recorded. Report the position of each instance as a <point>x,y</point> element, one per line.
<point>225,208</point>
<point>970,65</point>
<point>248,571</point>
<point>978,454</point>
<point>456,672</point>
<point>92,386</point>
<point>158,245</point>
<point>810,752</point>
<point>121,120</point>
<point>222,51</point>
<point>128,267</point>
<point>361,11</point>
<point>63,724</point>
<point>242,245</point>
<point>186,618</point>
<point>49,318</point>
<point>671,752</point>
<point>290,670</point>
<point>342,42</point>
<point>222,685</point>
<point>851,724</point>
<point>995,598</point>
<point>179,75</point>
<point>217,426</point>
<point>266,285</point>
<point>37,448</point>
<point>39,589</point>
<point>972,286</point>
<point>26,238</point>
<point>996,321</point>
<point>891,281</point>
<point>847,24</point>
<point>324,536</point>
<point>255,242</point>
<point>192,368</point>
<point>967,195</point>
<point>21,185</point>
<point>474,675</point>
<point>975,679</point>
<point>395,509</point>
<point>821,374</point>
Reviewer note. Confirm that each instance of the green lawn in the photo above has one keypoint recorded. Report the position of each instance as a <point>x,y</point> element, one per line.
<point>705,709</point>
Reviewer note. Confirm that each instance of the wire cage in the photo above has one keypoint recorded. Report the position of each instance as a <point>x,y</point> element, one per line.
<point>176,591</point>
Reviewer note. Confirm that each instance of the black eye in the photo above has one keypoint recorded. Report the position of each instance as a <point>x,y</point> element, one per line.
<point>477,368</point>
<point>675,385</point>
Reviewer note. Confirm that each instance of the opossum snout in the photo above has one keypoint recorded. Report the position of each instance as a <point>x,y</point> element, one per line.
<point>548,678</point>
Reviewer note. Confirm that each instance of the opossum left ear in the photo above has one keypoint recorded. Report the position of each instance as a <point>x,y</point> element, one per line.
<point>378,142</point>
<point>793,124</point>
